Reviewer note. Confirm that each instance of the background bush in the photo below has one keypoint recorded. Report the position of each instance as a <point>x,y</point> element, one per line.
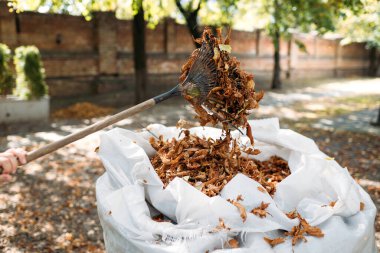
<point>6,78</point>
<point>30,83</point>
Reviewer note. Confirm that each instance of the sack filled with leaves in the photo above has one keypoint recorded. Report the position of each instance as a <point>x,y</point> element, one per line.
<point>290,197</point>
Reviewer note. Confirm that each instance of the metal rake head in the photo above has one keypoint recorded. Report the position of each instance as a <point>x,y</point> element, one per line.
<point>200,79</point>
<point>202,75</point>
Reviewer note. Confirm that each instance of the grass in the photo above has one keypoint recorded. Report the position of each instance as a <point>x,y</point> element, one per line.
<point>336,107</point>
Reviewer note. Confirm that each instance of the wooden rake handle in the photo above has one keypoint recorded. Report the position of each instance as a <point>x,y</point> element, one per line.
<point>89,130</point>
<point>100,125</point>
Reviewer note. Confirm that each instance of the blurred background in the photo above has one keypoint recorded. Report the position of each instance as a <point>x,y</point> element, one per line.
<point>110,52</point>
<point>65,64</point>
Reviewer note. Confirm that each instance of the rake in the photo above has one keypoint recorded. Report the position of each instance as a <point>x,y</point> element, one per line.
<point>199,81</point>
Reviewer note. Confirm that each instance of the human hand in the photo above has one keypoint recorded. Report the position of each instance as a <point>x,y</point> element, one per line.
<point>9,161</point>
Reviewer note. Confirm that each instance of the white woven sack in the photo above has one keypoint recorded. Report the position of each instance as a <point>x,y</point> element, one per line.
<point>130,192</point>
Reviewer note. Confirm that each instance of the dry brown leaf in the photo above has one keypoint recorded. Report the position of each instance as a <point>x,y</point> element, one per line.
<point>221,226</point>
<point>362,205</point>
<point>233,243</point>
<point>275,241</point>
<point>260,188</point>
<point>331,204</point>
<point>260,210</point>
<point>239,198</point>
<point>185,124</point>
<point>249,133</point>
<point>243,212</point>
<point>292,214</point>
<point>158,218</point>
<point>298,232</point>
<point>314,231</point>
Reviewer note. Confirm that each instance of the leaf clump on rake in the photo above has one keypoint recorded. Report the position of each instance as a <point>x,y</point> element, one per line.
<point>233,97</point>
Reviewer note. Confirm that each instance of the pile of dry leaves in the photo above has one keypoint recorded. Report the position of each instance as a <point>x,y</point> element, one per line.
<point>84,110</point>
<point>209,164</point>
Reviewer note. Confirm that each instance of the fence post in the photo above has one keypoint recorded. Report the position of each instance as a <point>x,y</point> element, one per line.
<point>105,37</point>
<point>338,57</point>
<point>258,39</point>
<point>170,35</point>
<point>289,56</point>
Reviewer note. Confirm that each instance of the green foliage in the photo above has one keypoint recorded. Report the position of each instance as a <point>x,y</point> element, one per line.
<point>301,46</point>
<point>30,83</point>
<point>219,13</point>
<point>283,17</point>
<point>6,77</point>
<point>322,16</point>
<point>364,27</point>
<point>190,9</point>
<point>154,10</point>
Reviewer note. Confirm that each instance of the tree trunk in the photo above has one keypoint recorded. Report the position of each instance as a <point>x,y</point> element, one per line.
<point>192,26</point>
<point>373,63</point>
<point>377,122</point>
<point>191,17</point>
<point>139,55</point>
<point>276,81</point>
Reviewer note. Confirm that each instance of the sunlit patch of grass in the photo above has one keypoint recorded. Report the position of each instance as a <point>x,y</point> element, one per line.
<point>297,124</point>
<point>331,111</point>
<point>370,100</point>
<point>336,107</point>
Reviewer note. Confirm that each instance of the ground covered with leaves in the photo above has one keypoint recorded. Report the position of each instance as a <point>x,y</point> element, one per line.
<point>51,204</point>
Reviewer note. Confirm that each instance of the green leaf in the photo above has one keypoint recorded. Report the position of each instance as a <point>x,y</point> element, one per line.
<point>301,46</point>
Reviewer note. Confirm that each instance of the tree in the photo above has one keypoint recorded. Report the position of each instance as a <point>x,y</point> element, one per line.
<point>274,31</point>
<point>364,27</point>
<point>285,16</point>
<point>190,13</point>
<point>141,10</point>
<point>221,13</point>
<point>139,52</point>
<point>216,13</point>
